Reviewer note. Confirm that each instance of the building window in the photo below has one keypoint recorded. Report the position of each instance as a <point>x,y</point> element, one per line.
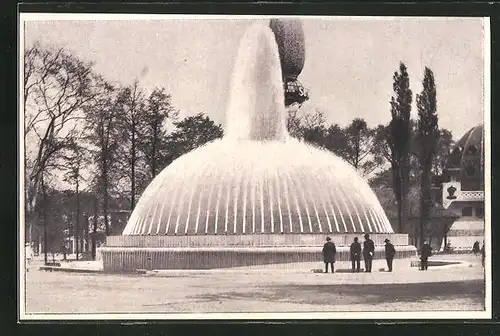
<point>480,212</point>
<point>467,211</point>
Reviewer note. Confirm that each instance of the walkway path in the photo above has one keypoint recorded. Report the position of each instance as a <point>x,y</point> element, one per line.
<point>271,290</point>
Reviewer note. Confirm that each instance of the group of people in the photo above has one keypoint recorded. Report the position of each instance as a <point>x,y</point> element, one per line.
<point>368,250</point>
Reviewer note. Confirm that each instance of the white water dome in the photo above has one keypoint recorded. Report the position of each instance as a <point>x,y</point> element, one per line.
<point>257,179</point>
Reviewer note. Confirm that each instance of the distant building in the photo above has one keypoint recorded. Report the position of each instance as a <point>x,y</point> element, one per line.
<point>439,221</point>
<point>463,189</point>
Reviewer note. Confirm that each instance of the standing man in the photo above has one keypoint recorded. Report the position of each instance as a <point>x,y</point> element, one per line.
<point>425,253</point>
<point>329,251</point>
<point>475,248</point>
<point>355,255</point>
<point>390,251</point>
<point>368,251</point>
<point>29,255</point>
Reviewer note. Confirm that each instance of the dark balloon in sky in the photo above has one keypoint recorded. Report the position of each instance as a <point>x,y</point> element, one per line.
<point>290,39</point>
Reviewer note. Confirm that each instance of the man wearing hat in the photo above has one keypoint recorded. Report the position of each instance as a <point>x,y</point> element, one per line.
<point>355,255</point>
<point>425,253</point>
<point>368,251</point>
<point>329,252</point>
<point>29,255</point>
<point>390,251</point>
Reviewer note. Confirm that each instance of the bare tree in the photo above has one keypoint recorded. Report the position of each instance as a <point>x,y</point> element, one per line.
<point>74,162</point>
<point>158,110</point>
<point>360,150</point>
<point>57,87</point>
<point>132,122</point>
<point>304,124</point>
<point>103,140</point>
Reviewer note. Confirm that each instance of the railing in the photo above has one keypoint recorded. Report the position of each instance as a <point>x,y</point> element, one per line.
<point>469,195</point>
<point>119,259</point>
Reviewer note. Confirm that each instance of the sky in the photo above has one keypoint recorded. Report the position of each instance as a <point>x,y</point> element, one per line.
<point>348,67</point>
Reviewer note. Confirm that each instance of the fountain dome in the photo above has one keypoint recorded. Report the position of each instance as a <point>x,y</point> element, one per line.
<point>250,187</point>
<point>257,179</point>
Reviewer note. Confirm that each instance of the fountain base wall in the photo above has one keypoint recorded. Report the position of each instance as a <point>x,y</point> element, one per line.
<point>129,253</point>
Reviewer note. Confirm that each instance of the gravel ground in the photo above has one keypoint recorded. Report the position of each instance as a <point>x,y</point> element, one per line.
<point>266,290</point>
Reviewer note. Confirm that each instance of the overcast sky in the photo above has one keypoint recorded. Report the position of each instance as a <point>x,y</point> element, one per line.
<point>348,68</point>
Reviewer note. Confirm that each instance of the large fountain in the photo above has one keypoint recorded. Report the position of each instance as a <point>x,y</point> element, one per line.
<point>257,196</point>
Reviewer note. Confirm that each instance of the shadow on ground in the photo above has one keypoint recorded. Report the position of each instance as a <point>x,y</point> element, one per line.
<point>371,294</point>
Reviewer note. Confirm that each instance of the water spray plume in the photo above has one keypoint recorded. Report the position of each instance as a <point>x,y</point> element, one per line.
<point>256,109</point>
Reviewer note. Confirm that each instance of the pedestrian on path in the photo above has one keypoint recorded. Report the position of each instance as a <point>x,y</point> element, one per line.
<point>329,251</point>
<point>368,251</point>
<point>390,252</point>
<point>355,255</point>
<point>425,253</point>
<point>29,255</point>
<point>475,248</point>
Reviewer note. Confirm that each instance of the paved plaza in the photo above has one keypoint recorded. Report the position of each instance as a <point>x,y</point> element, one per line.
<point>454,287</point>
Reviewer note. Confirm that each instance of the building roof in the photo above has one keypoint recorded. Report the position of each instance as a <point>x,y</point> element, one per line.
<point>467,159</point>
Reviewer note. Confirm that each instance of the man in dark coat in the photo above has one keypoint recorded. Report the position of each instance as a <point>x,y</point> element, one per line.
<point>355,255</point>
<point>390,251</point>
<point>425,253</point>
<point>329,251</point>
<point>475,248</point>
<point>368,251</point>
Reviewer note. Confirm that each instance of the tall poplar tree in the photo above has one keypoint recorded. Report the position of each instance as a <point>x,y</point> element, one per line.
<point>398,138</point>
<point>427,139</point>
<point>104,138</point>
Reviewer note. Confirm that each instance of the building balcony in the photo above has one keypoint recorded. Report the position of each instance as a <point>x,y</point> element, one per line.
<point>471,196</point>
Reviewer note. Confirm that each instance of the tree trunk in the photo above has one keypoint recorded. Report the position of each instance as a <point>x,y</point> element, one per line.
<point>132,169</point>
<point>77,232</point>
<point>94,229</point>
<point>86,231</point>
<point>356,153</point>
<point>44,218</point>
<point>401,201</point>
<point>153,152</point>
<point>424,202</point>
<point>445,237</point>
<point>415,236</point>
<point>105,212</point>
<point>105,196</point>
<point>400,215</point>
